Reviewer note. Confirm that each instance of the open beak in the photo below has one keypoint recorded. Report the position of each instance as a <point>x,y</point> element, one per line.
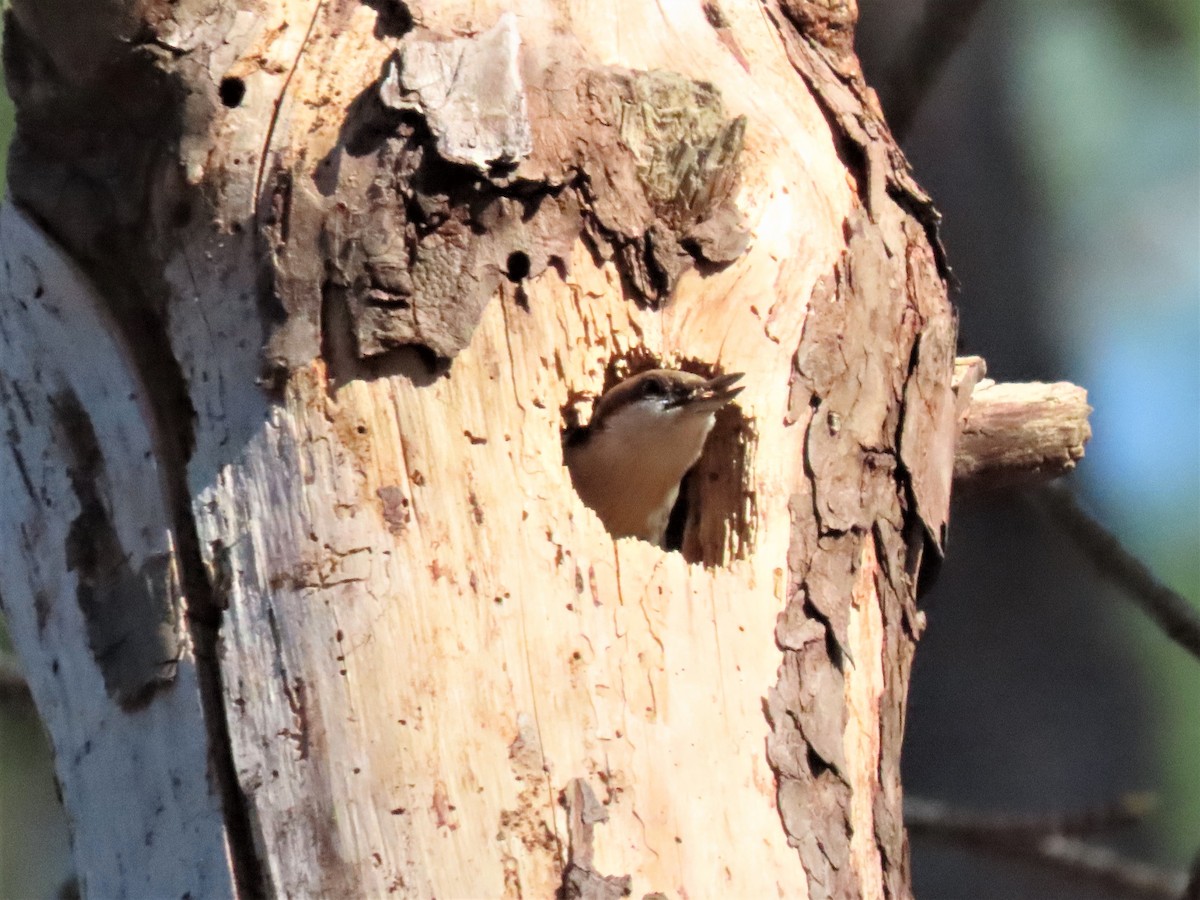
<point>714,393</point>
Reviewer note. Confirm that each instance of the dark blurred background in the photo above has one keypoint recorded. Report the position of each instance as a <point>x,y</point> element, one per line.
<point>1061,141</point>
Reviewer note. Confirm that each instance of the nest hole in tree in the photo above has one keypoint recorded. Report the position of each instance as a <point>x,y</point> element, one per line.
<point>710,523</point>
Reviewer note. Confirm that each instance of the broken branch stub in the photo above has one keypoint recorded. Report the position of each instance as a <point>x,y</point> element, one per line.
<point>1016,434</point>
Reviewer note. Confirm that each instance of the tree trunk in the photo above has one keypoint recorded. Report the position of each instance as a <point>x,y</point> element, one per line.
<point>300,299</point>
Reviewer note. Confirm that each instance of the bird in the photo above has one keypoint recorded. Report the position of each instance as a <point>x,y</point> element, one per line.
<point>644,435</point>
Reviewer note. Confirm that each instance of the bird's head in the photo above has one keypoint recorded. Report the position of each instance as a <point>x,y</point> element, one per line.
<point>662,397</point>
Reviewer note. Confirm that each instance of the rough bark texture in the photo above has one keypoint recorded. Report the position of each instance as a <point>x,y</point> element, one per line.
<point>351,307</point>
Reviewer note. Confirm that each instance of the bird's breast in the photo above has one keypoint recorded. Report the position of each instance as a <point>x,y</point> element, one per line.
<point>630,475</point>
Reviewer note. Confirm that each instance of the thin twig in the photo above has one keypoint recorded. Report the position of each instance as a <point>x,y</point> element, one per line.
<point>1178,618</point>
<point>1020,838</point>
<point>1109,868</point>
<point>944,25</point>
<point>1128,809</point>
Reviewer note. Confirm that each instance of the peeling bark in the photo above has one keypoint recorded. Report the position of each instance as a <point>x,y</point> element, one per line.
<point>430,200</point>
<point>879,451</point>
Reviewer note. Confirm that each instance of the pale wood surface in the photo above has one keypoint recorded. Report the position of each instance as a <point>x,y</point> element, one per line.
<point>448,672</point>
<point>144,818</point>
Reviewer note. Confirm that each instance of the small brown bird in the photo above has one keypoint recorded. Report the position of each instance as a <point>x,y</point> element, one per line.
<point>645,433</point>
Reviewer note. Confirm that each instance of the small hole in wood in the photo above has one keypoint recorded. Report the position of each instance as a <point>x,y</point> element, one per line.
<point>232,91</point>
<point>518,266</point>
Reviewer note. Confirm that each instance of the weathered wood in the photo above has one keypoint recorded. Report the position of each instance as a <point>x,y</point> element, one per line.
<point>357,308</point>
<point>1016,434</point>
<point>108,659</point>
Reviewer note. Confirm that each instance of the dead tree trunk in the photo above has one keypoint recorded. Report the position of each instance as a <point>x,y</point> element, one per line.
<point>299,298</point>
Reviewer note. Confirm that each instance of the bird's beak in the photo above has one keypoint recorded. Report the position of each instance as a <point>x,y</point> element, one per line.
<point>715,393</point>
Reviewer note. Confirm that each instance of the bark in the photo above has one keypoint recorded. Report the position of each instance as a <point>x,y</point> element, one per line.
<point>300,297</point>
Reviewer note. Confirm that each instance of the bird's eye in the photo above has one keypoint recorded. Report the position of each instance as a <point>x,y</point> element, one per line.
<point>653,388</point>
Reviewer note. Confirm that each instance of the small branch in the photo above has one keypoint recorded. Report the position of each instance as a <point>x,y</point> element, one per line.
<point>929,45</point>
<point>929,816</point>
<point>1015,434</point>
<point>1173,613</point>
<point>1045,842</point>
<point>1108,868</point>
